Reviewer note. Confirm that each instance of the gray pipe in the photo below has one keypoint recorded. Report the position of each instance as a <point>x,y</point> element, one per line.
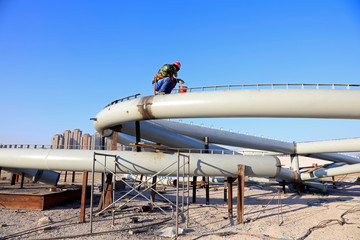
<point>45,176</point>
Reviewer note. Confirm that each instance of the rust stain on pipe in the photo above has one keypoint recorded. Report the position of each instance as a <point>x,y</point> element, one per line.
<point>143,108</point>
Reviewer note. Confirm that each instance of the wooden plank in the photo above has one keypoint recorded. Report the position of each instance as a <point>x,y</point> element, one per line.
<point>156,147</point>
<point>149,145</point>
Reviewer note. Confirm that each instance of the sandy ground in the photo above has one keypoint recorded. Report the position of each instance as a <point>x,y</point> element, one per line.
<point>269,214</point>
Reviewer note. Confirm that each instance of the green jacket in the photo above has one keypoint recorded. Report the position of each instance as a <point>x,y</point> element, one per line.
<point>166,71</point>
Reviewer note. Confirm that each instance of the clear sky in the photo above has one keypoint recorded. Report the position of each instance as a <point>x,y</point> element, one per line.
<point>62,61</point>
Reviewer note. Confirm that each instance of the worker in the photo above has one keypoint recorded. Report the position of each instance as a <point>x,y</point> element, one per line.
<point>166,79</point>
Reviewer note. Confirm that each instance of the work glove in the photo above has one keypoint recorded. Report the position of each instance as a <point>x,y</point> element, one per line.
<point>180,81</point>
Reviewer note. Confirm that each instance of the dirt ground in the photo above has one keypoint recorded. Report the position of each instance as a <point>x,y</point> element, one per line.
<point>269,214</point>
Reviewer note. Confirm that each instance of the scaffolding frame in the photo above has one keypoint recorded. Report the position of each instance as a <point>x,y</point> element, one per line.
<point>182,167</point>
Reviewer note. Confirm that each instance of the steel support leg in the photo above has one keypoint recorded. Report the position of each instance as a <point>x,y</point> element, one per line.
<point>152,197</point>
<point>137,135</point>
<point>13,179</point>
<point>73,177</point>
<point>22,180</point>
<point>194,189</point>
<point>240,193</point>
<point>230,196</point>
<point>114,141</point>
<point>207,190</point>
<point>106,199</point>
<point>83,196</point>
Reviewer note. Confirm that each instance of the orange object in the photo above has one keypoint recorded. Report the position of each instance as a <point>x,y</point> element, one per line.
<point>52,189</point>
<point>183,89</point>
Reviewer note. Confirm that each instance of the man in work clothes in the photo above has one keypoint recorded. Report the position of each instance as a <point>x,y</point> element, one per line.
<point>165,80</point>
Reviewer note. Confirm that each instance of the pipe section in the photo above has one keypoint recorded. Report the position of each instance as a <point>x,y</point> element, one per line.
<point>329,146</point>
<point>284,103</point>
<point>45,176</point>
<point>139,162</point>
<point>181,135</point>
<point>163,136</point>
<point>329,172</point>
<point>218,137</point>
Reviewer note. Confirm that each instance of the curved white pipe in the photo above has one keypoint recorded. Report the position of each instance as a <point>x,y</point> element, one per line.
<point>288,103</point>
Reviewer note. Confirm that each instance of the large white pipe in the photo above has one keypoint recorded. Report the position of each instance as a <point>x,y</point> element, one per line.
<point>329,146</point>
<point>214,135</point>
<point>163,136</point>
<point>329,172</point>
<point>284,103</point>
<point>139,162</point>
<point>173,134</point>
<point>334,157</point>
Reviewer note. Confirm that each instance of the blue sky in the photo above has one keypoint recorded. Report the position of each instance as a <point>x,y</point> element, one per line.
<point>61,62</point>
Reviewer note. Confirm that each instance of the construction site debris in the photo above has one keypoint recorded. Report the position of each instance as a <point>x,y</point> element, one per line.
<point>169,232</point>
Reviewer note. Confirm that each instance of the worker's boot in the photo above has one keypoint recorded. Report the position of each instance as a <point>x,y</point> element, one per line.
<point>161,93</point>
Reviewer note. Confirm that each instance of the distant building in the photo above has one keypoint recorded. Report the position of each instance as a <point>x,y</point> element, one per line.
<point>75,139</point>
<point>108,143</point>
<point>57,141</point>
<point>85,141</point>
<point>96,141</point>
<point>66,139</point>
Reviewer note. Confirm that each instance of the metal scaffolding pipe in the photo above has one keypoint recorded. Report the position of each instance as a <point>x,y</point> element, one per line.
<point>139,162</point>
